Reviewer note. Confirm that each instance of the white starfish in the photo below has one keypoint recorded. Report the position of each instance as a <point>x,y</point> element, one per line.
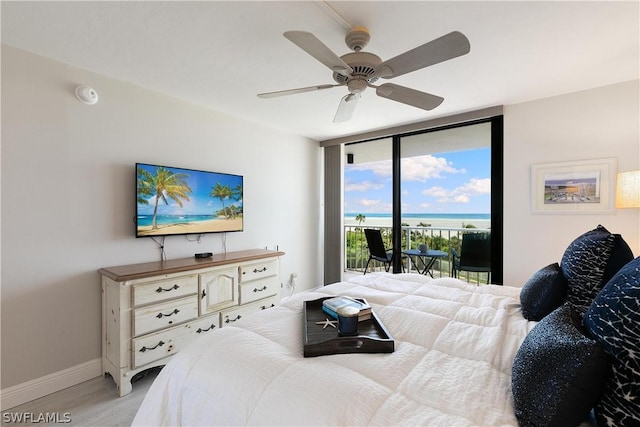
<point>327,322</point>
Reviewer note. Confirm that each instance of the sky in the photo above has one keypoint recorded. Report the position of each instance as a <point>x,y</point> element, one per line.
<point>199,203</point>
<point>456,182</point>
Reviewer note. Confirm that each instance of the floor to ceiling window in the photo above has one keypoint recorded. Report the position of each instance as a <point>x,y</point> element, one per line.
<point>426,188</point>
<point>368,197</point>
<point>446,177</point>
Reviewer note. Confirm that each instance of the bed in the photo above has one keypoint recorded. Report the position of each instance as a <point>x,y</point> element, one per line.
<point>454,348</point>
<point>558,351</point>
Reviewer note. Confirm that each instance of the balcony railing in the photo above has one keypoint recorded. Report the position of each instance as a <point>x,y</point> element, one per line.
<point>356,252</point>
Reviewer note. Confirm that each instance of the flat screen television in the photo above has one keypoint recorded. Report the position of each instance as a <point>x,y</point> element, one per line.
<point>177,201</point>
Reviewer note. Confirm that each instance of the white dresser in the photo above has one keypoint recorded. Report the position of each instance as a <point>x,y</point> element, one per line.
<point>150,311</point>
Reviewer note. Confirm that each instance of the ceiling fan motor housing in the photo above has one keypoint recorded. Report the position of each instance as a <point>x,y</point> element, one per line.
<point>363,65</point>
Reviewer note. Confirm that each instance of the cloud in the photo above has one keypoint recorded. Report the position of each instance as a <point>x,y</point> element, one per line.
<point>461,194</point>
<point>423,168</point>
<point>436,192</point>
<point>477,186</point>
<point>373,205</point>
<point>368,202</point>
<point>419,168</point>
<point>380,168</point>
<point>363,186</point>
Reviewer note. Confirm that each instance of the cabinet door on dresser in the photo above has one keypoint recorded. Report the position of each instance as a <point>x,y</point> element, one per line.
<point>218,289</point>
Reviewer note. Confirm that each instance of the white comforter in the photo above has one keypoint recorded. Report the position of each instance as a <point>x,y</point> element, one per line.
<point>454,348</point>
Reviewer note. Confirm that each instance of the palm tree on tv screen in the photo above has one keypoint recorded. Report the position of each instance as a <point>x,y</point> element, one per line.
<point>222,192</point>
<point>164,184</point>
<point>236,196</point>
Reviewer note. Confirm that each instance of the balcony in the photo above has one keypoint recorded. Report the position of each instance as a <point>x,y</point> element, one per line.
<point>356,253</point>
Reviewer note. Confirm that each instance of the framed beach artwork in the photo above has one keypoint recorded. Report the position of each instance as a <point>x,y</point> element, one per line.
<point>577,187</point>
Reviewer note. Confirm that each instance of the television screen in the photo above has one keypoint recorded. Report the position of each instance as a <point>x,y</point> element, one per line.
<point>173,201</point>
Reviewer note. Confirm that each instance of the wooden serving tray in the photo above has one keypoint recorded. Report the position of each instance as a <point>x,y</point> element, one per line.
<point>372,336</point>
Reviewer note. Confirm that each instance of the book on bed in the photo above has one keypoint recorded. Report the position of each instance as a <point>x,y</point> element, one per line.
<point>332,305</point>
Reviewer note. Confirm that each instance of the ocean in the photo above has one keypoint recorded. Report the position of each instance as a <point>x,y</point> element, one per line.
<point>479,220</point>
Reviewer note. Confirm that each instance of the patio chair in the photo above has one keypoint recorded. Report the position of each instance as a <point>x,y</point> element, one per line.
<point>377,250</point>
<point>474,256</point>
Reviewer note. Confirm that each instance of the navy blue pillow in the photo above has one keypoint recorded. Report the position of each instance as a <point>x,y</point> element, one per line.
<point>589,262</point>
<point>544,292</point>
<point>558,373</point>
<point>614,320</point>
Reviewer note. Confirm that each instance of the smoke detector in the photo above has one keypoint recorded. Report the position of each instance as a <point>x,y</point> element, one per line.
<point>86,95</point>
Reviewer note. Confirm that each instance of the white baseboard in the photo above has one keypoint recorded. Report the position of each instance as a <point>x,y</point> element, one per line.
<point>34,389</point>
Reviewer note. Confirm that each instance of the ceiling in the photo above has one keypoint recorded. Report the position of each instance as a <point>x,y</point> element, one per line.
<point>222,54</point>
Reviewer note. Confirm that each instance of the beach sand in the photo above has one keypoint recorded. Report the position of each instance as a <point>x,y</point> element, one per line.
<point>208,226</point>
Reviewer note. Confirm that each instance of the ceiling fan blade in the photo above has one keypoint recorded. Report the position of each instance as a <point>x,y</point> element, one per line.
<point>346,107</point>
<point>409,96</point>
<point>314,47</point>
<point>439,50</point>
<point>294,91</point>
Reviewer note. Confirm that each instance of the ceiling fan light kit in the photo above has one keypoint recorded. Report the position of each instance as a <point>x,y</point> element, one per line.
<point>358,70</point>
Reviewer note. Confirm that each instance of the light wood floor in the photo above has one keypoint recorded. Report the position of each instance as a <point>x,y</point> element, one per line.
<point>93,403</point>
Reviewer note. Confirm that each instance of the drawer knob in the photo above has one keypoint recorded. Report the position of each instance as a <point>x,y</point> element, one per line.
<point>262,270</point>
<point>161,315</point>
<point>174,287</point>
<point>264,288</point>
<point>145,348</point>
<point>200,330</point>
<point>264,307</point>
<point>238,317</point>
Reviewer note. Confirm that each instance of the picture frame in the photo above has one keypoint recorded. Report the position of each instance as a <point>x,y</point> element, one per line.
<point>574,187</point>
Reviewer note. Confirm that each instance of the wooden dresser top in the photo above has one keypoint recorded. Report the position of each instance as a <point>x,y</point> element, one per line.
<point>123,273</point>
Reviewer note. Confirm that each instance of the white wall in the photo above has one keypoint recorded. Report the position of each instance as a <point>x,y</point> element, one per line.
<point>598,123</point>
<point>68,200</point>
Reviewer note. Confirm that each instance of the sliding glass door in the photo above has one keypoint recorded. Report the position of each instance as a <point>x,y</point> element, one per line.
<point>426,188</point>
<point>445,182</point>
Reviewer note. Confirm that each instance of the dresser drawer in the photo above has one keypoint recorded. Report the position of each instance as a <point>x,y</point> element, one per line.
<point>258,289</point>
<point>258,270</point>
<point>152,347</point>
<point>204,325</point>
<point>232,315</point>
<point>163,315</point>
<point>161,290</point>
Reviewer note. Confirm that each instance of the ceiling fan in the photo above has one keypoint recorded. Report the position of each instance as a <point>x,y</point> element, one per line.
<point>358,70</point>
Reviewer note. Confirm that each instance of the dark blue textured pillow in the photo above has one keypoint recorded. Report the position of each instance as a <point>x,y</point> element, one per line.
<point>558,373</point>
<point>544,292</point>
<point>614,320</point>
<point>589,262</point>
